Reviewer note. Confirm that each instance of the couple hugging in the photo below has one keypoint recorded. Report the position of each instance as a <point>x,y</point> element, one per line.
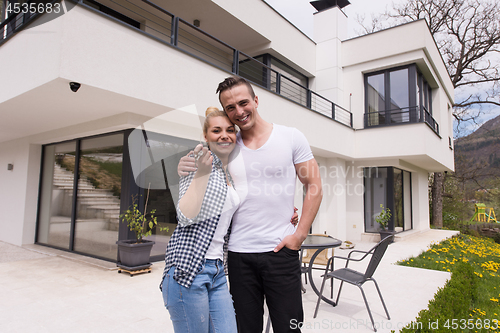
<point>223,208</point>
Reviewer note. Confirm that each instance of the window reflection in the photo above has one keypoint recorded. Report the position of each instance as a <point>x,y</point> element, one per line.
<point>375,195</point>
<point>99,190</point>
<point>376,99</point>
<point>398,200</point>
<point>400,99</point>
<point>57,194</point>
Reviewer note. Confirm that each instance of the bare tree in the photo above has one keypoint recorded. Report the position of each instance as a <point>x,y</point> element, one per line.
<point>467,33</point>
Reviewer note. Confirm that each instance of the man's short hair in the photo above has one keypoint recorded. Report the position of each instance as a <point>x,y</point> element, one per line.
<point>234,81</point>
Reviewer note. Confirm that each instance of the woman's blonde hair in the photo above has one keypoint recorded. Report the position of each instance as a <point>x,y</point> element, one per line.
<point>212,112</point>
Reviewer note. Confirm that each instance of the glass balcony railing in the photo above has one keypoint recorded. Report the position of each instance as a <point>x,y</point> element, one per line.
<point>173,30</point>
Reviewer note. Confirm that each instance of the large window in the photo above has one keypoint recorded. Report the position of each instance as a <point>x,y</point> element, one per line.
<point>398,95</point>
<point>87,183</point>
<point>80,195</point>
<point>390,187</point>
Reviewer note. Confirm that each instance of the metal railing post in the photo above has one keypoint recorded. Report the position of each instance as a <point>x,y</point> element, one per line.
<point>333,111</point>
<point>175,31</point>
<point>236,61</point>
<point>309,99</point>
<point>278,83</point>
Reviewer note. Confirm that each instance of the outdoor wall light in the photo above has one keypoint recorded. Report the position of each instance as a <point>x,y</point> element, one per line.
<point>10,166</point>
<point>196,23</point>
<point>74,86</point>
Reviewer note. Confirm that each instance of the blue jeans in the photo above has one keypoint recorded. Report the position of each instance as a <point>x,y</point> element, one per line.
<point>206,306</point>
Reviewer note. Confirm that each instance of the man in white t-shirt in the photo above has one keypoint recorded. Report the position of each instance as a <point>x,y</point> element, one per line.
<point>263,257</point>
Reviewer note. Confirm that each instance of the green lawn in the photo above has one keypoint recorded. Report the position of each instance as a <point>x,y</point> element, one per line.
<point>470,301</point>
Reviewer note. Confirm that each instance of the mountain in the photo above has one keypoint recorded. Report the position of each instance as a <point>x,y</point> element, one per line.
<point>478,154</point>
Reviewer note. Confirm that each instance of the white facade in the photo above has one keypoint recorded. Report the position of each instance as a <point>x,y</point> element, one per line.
<point>128,77</point>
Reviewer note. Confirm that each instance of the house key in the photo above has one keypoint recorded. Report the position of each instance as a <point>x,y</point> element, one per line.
<point>198,155</point>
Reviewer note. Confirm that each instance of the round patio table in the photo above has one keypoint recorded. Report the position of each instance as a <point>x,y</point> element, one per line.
<point>319,243</point>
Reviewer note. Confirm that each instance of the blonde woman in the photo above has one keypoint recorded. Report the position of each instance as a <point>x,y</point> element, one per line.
<point>194,285</point>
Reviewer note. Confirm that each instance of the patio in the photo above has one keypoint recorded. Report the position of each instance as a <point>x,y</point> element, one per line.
<point>47,290</point>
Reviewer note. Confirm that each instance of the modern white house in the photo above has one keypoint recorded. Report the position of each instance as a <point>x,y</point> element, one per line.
<point>99,103</point>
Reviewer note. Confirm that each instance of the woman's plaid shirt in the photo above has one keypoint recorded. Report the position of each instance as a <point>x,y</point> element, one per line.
<point>190,241</point>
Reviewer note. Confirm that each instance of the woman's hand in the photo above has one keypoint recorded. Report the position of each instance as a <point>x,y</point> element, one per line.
<point>203,159</point>
<point>190,203</point>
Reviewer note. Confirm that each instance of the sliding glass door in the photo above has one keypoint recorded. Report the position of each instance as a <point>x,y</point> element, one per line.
<point>98,199</point>
<point>56,201</point>
<point>80,193</point>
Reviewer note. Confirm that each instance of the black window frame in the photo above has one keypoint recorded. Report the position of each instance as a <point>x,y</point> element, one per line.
<point>419,109</point>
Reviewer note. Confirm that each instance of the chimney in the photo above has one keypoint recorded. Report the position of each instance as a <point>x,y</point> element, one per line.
<point>322,5</point>
<point>330,29</point>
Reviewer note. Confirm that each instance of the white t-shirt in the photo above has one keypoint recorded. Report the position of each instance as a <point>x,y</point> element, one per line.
<point>265,182</point>
<point>216,248</point>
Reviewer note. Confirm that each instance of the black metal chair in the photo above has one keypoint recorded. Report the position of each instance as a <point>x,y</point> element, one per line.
<point>357,278</point>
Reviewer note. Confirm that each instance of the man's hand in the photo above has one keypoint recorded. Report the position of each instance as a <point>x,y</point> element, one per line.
<point>186,165</point>
<point>203,161</point>
<point>293,242</point>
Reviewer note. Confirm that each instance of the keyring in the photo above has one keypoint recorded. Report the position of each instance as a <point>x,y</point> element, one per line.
<point>199,155</point>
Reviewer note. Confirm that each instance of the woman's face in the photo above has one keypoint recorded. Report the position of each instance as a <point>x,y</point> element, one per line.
<point>221,136</point>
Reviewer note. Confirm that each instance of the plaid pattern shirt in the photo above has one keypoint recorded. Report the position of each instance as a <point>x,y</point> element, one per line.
<point>191,239</point>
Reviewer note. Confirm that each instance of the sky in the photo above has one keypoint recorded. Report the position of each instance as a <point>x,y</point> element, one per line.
<point>300,12</point>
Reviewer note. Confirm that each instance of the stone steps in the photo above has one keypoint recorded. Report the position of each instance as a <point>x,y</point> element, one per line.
<point>93,204</point>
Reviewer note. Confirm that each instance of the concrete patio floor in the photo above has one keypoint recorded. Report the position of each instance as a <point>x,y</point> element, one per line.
<point>46,290</point>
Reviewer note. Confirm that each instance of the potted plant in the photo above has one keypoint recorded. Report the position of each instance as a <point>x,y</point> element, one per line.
<point>134,253</point>
<point>383,219</point>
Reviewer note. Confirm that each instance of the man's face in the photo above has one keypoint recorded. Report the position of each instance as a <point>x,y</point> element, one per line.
<point>239,106</point>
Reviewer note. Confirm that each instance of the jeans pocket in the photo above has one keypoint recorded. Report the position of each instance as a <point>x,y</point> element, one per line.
<point>290,252</point>
<point>164,289</point>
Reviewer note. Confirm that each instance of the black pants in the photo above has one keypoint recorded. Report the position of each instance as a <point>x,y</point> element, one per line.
<point>273,275</point>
